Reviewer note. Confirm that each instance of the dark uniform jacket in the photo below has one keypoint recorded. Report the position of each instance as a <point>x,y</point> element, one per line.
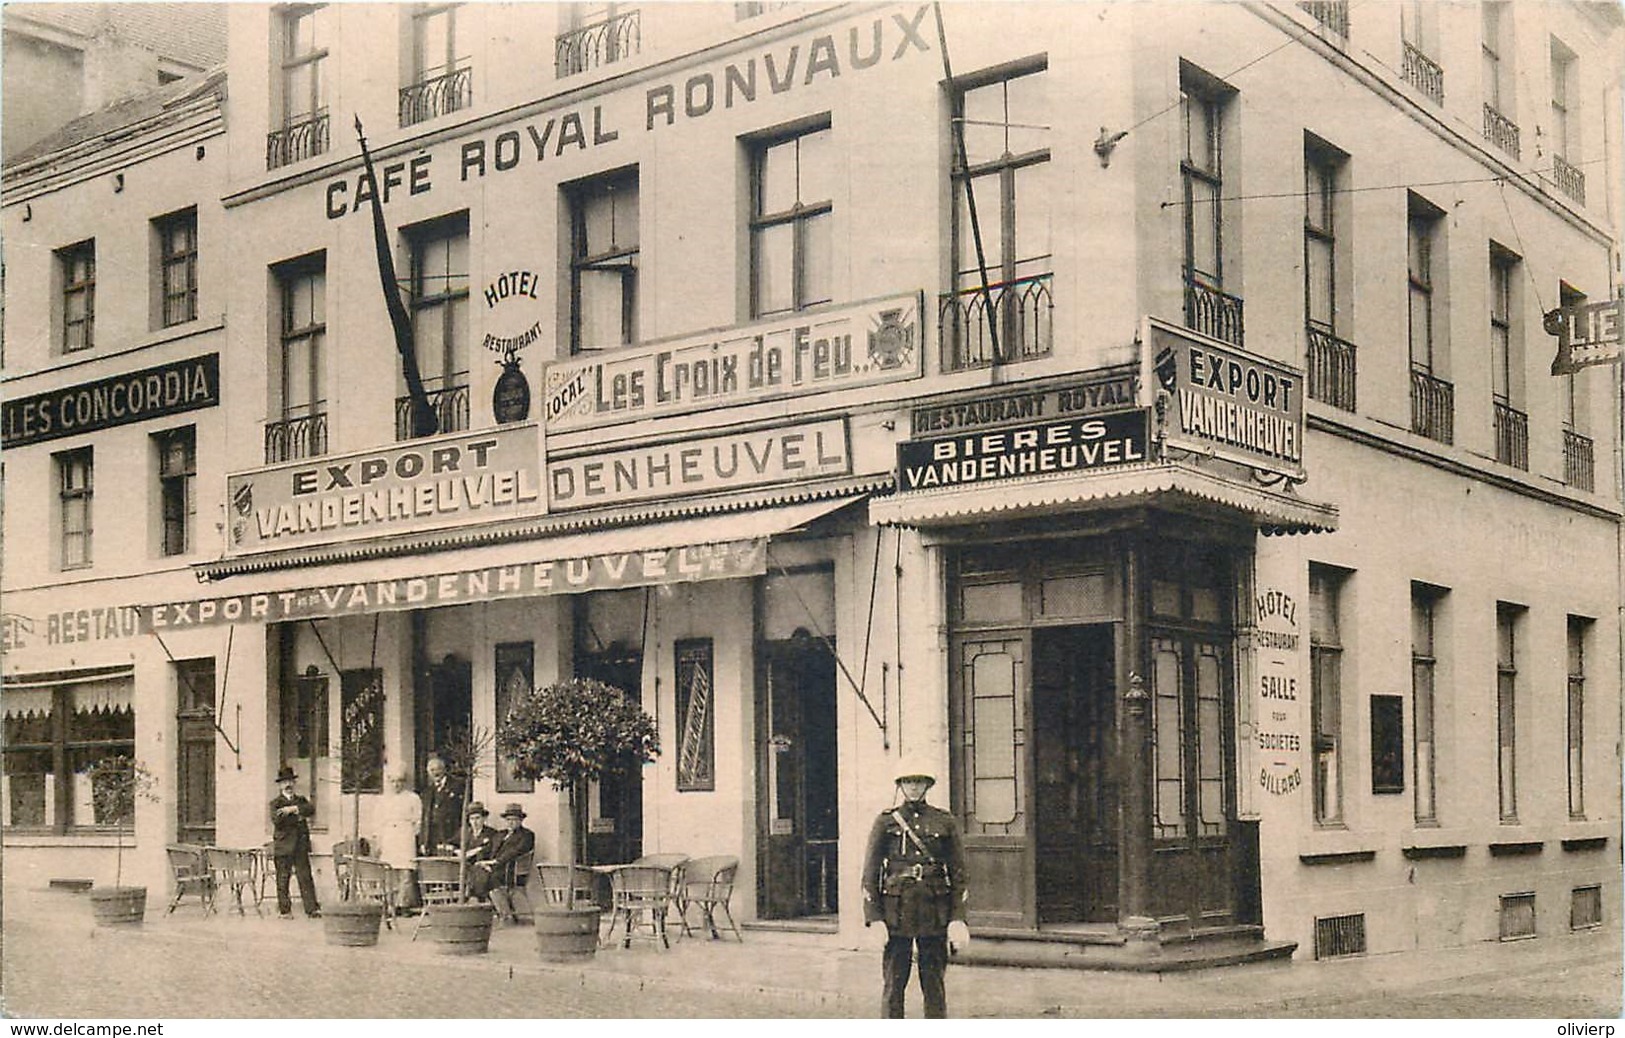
<point>442,816</point>
<point>290,833</point>
<point>917,892</point>
<point>510,844</point>
<point>482,842</point>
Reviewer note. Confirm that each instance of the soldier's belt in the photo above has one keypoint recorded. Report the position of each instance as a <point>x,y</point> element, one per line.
<point>916,872</point>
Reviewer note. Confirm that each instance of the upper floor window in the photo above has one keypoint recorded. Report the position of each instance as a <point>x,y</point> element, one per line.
<point>1419,29</point>
<point>1326,691</point>
<point>1564,142</point>
<point>1497,52</point>
<point>177,475</point>
<point>1426,606</point>
<point>1423,234</point>
<point>76,266</point>
<point>1204,103</point>
<point>1331,366</point>
<point>177,260</point>
<point>598,34</point>
<point>1505,365</point>
<point>603,261</point>
<point>75,479</point>
<point>791,221</point>
<point>302,55</point>
<point>440,322</point>
<point>442,78</point>
<point>1000,307</point>
<point>298,426</point>
<point>1507,619</point>
<point>1578,635</point>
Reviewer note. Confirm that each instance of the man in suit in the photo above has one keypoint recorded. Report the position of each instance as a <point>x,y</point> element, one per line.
<point>442,809</point>
<point>479,840</point>
<point>290,845</point>
<point>914,880</point>
<point>497,876</point>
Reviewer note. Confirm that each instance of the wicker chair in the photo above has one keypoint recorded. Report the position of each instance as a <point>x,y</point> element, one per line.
<point>437,885</point>
<point>189,868</point>
<point>639,897</point>
<point>560,884</point>
<point>373,880</point>
<point>236,871</point>
<point>709,884</point>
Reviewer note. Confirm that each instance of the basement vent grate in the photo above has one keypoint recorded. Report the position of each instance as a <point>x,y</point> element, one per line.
<point>1585,909</point>
<point>1339,935</point>
<point>1517,916</point>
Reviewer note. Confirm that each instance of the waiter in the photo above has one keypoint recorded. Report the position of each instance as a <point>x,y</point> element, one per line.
<point>914,880</point>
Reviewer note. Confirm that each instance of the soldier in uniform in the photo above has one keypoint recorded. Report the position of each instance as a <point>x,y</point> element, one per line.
<point>914,881</point>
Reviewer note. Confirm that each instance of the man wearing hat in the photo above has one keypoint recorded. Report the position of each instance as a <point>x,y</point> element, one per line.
<point>478,839</point>
<point>290,845</point>
<point>496,876</point>
<point>914,880</point>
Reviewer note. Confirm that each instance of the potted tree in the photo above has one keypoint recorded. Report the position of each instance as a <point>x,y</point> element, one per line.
<point>463,928</point>
<point>115,783</point>
<point>572,733</point>
<point>354,922</point>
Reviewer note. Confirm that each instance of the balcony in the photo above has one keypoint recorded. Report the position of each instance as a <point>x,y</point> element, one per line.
<point>1023,317</point>
<point>1331,369</point>
<point>1569,180</point>
<point>1579,468</point>
<point>436,96</point>
<point>1423,73</point>
<point>602,43</point>
<point>450,407</point>
<point>1433,407</point>
<point>293,438</point>
<point>297,141</point>
<point>1511,436</point>
<point>1501,131</point>
<point>1333,14</point>
<point>1212,312</point>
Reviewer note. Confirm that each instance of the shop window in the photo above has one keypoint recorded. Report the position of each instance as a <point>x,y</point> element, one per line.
<point>177,263</point>
<point>361,747</point>
<point>603,261</point>
<point>76,269</point>
<point>515,676</point>
<point>1387,744</point>
<point>792,221</point>
<point>177,497</point>
<point>1326,692</point>
<point>696,736</point>
<point>53,734</point>
<point>1579,634</point>
<point>1426,607</point>
<point>75,482</point>
<point>1507,624</point>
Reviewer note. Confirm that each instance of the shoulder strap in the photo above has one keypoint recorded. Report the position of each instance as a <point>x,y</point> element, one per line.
<point>914,837</point>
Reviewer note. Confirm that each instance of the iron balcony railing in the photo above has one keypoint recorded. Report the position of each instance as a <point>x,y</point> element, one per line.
<point>297,141</point>
<point>438,95</point>
<point>1212,312</point>
<point>1511,436</point>
<point>1433,407</point>
<point>1579,468</point>
<point>450,408</point>
<point>1023,313</point>
<point>1333,14</point>
<point>1570,181</point>
<point>1423,73</point>
<point>601,43</point>
<point>1331,369</point>
<point>1501,131</point>
<point>293,438</point>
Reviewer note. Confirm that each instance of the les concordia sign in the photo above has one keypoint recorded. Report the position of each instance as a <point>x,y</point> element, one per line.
<point>1228,403</point>
<point>866,344</point>
<point>155,392</point>
<point>432,483</point>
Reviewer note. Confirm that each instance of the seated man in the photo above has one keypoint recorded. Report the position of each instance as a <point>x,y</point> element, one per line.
<point>496,876</point>
<point>478,841</point>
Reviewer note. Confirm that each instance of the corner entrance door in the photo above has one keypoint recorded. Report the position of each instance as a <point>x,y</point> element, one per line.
<point>614,806</point>
<point>1074,774</point>
<point>194,750</point>
<point>796,786</point>
<point>447,708</point>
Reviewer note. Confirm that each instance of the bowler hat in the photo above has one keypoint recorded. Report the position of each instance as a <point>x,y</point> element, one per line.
<point>286,774</point>
<point>513,811</point>
<point>476,808</point>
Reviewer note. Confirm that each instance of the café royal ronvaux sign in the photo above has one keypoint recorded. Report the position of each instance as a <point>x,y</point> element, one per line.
<point>426,484</point>
<point>865,344</point>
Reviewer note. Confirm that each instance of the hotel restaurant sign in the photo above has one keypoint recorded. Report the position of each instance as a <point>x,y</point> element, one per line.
<point>866,344</point>
<point>426,484</point>
<point>1227,403</point>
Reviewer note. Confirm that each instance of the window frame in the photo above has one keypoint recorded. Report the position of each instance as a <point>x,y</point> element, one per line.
<point>1492,44</point>
<point>800,217</point>
<point>1578,633</point>
<point>1563,65</point>
<point>1426,601</point>
<point>1209,176</point>
<point>1328,782</point>
<point>74,499</point>
<point>1322,164</point>
<point>421,17</point>
<point>620,258</point>
<point>63,748</point>
<point>443,303</point>
<point>1422,234</point>
<point>292,60</point>
<point>177,490</point>
<point>1507,617</point>
<point>1503,348</point>
<point>177,305</point>
<point>77,267</point>
<point>1006,168</point>
<point>289,276</point>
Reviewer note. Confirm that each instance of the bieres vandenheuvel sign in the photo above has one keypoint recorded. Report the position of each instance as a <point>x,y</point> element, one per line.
<point>155,392</point>
<point>1227,403</point>
<point>1023,451</point>
<point>864,344</point>
<point>426,484</point>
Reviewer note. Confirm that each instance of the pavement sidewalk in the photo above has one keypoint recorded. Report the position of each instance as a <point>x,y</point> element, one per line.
<point>820,975</point>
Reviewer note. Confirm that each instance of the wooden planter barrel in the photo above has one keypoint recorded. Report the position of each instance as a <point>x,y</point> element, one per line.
<point>352,924</point>
<point>566,935</point>
<point>460,929</point>
<point>119,906</point>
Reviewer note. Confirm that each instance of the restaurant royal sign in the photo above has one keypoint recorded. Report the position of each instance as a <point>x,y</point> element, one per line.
<point>866,344</point>
<point>427,484</point>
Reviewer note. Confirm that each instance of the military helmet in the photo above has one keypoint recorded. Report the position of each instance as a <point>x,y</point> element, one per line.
<point>914,768</point>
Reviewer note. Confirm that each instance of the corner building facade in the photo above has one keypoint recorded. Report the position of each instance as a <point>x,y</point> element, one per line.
<point>1115,404</point>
